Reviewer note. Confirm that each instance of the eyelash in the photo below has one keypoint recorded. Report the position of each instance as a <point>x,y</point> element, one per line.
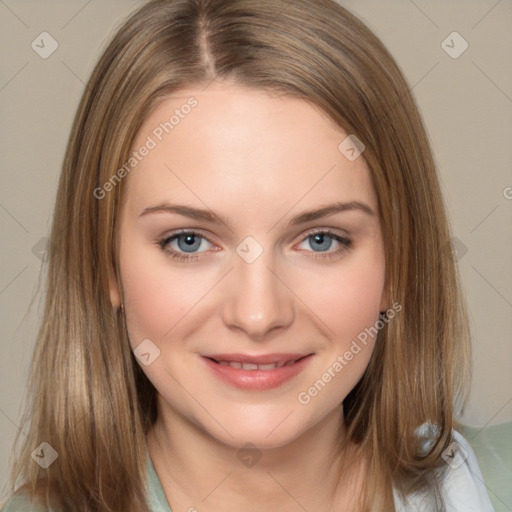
<point>346,244</point>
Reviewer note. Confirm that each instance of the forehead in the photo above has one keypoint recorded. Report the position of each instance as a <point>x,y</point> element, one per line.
<point>244,146</point>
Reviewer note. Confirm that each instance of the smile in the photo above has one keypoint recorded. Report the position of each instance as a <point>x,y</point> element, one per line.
<point>257,373</point>
<point>252,366</point>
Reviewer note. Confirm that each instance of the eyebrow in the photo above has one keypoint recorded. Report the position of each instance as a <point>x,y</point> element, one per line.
<point>210,216</point>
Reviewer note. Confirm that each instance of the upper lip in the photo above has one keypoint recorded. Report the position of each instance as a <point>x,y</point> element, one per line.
<point>258,359</point>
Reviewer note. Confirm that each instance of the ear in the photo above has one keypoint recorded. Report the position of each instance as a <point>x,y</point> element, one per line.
<point>114,289</point>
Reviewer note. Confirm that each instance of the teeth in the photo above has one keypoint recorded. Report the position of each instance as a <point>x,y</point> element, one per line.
<point>252,366</point>
<point>270,366</point>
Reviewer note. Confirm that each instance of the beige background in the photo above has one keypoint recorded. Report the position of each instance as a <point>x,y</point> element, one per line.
<point>466,102</point>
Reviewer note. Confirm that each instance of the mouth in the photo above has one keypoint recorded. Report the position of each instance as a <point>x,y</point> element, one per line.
<point>256,363</point>
<point>256,372</point>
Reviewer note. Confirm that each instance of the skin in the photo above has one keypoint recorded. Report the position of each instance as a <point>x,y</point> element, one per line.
<point>257,160</point>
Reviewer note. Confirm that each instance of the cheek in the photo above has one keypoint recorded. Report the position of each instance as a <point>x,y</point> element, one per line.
<point>348,302</point>
<point>359,299</point>
<point>347,298</point>
<point>155,298</point>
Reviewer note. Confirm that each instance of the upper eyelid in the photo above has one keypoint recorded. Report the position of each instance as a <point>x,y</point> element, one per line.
<point>186,231</point>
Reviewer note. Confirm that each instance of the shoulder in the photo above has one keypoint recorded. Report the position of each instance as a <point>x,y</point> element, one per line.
<point>461,483</point>
<point>22,503</point>
<point>463,486</point>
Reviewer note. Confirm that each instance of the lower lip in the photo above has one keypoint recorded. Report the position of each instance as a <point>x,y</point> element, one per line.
<point>257,380</point>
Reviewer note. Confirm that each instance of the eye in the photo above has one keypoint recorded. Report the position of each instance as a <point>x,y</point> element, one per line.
<point>184,245</point>
<point>323,241</point>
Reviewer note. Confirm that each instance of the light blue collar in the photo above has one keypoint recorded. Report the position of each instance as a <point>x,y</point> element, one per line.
<point>156,496</point>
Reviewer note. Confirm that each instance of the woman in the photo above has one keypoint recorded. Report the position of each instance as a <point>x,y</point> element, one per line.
<point>250,299</point>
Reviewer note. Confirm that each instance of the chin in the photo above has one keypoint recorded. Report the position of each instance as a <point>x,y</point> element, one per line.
<point>263,431</point>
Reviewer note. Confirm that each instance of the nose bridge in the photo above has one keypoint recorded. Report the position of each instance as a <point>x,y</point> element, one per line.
<point>256,301</point>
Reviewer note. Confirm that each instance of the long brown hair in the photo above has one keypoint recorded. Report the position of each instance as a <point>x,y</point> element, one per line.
<point>88,397</point>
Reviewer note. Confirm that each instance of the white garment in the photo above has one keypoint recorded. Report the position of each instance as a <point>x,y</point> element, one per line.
<point>463,488</point>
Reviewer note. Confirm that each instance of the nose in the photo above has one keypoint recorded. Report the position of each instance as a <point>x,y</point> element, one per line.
<point>256,299</point>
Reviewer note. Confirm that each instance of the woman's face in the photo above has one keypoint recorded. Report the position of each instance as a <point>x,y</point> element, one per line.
<point>248,324</point>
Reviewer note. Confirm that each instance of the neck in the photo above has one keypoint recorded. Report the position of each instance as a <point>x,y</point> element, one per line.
<point>197,472</point>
